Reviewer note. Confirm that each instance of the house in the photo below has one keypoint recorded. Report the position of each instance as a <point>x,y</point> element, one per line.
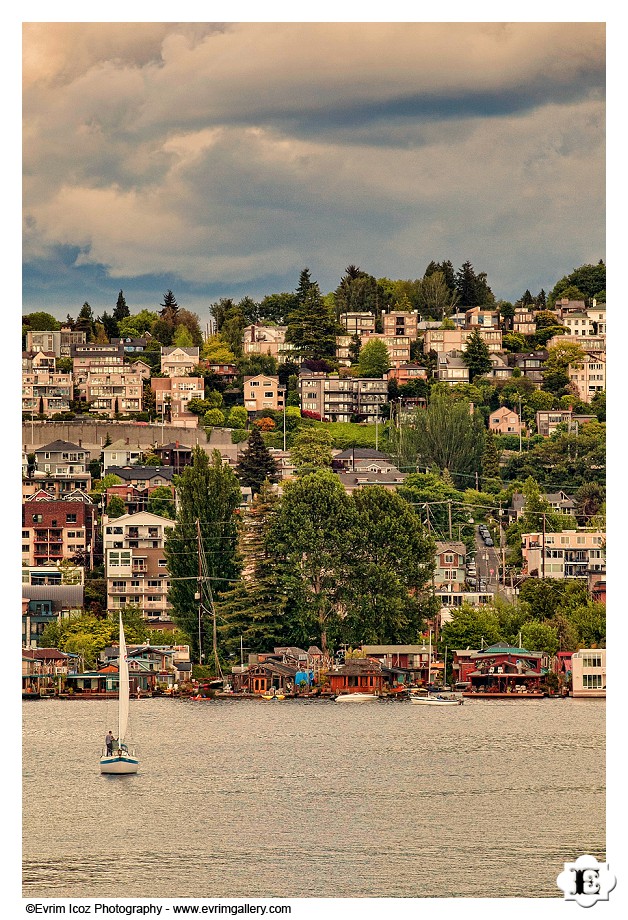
<point>135,565</point>
<point>46,392</point>
<point>548,420</point>
<point>504,421</point>
<point>61,458</point>
<point>144,476</point>
<point>451,600</point>
<point>43,604</point>
<point>59,485</point>
<point>484,317</point>
<point>340,399</point>
<point>110,392</point>
<point>226,372</point>
<point>500,369</point>
<point>33,361</point>
<point>588,375</point>
<point>502,669</point>
<point>560,502</point>
<point>43,669</point>
<point>407,373</point>
<point>401,323</point>
<point>177,361</point>
<point>568,554</point>
<point>530,364</point>
<point>452,369</point>
<point>101,359</point>
<point>389,477</point>
<point>52,575</point>
<point>172,395</point>
<point>356,457</point>
<point>135,498</point>
<point>413,659</point>
<point>132,346</point>
<point>54,530</point>
<point>450,570</point>
<point>588,673</point>
<point>265,340</point>
<point>263,392</point>
<point>120,453</point>
<point>176,455</point>
<point>523,321</point>
<point>357,675</point>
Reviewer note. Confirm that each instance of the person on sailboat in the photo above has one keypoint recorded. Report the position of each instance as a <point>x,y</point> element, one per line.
<point>109,739</point>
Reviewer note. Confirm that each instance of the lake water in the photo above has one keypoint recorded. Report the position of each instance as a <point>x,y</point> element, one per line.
<point>312,799</point>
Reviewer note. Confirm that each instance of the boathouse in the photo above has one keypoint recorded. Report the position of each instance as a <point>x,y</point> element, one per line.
<point>505,670</point>
<point>358,675</point>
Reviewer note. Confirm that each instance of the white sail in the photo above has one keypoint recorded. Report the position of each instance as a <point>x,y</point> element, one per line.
<point>123,673</point>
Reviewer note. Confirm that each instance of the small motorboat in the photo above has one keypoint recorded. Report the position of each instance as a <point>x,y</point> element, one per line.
<point>431,699</point>
<point>356,698</point>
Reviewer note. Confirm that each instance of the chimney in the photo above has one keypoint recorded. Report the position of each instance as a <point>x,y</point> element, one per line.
<point>80,443</point>
<point>176,444</point>
<point>126,440</point>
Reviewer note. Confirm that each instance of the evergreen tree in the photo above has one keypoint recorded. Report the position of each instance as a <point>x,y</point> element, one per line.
<point>446,269</point>
<point>110,325</point>
<point>208,492</point>
<point>358,292</point>
<point>472,287</point>
<point>312,326</point>
<point>121,309</point>
<point>170,305</point>
<point>256,464</point>
<point>490,464</point>
<point>476,355</point>
<point>252,612</point>
<point>541,300</point>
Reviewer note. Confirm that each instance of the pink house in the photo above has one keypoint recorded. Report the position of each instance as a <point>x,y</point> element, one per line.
<point>504,421</point>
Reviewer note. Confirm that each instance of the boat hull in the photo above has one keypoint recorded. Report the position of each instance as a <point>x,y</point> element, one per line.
<point>356,698</point>
<point>119,765</point>
<point>426,701</point>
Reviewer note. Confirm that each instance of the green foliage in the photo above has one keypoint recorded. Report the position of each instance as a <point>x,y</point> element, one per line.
<point>540,637</point>
<point>237,418</point>
<point>215,418</point>
<point>471,627</point>
<point>161,501</point>
<point>587,280</point>
<point>311,450</point>
<point>115,507</point>
<point>374,360</point>
<point>87,635</point>
<point>490,463</point>
<point>183,337</point>
<point>105,483</point>
<point>256,465</point>
<point>565,460</point>
<point>40,322</point>
<point>312,325</point>
<point>476,355</point>
<point>208,492</point>
<point>472,288</point>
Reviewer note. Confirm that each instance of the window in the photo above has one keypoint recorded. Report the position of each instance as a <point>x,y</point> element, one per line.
<point>38,518</point>
<point>70,519</point>
<point>592,661</point>
<point>592,682</point>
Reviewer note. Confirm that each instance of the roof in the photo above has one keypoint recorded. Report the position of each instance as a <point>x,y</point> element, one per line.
<point>174,445</point>
<point>499,649</point>
<point>60,595</point>
<point>43,654</point>
<point>121,444</point>
<point>191,351</point>
<point>451,546</point>
<point>362,453</point>
<point>56,446</point>
<point>358,666</point>
<point>141,472</point>
<point>393,649</point>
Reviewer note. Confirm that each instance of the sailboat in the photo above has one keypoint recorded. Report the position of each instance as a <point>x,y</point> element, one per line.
<point>434,699</point>
<point>121,760</point>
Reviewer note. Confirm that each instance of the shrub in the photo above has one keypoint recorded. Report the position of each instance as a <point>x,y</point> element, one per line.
<point>215,418</point>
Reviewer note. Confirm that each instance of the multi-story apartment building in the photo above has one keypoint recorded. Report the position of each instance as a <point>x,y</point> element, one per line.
<point>399,323</point>
<point>54,530</point>
<point>111,392</point>
<point>523,321</point>
<point>482,316</point>
<point>46,392</point>
<point>588,375</point>
<point>358,323</point>
<point>443,340</point>
<point>406,373</point>
<point>588,673</point>
<point>530,364</point>
<point>569,554</point>
<point>93,358</point>
<point>131,346</point>
<point>263,392</point>
<point>135,564</point>
<point>172,395</point>
<point>581,320</point>
<point>59,343</point>
<point>177,361</point>
<point>593,343</point>
<point>338,399</point>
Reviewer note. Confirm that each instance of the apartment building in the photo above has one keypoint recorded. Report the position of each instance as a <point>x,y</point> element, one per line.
<point>265,340</point>
<point>570,554</point>
<point>61,458</point>
<point>530,364</point>
<point>263,391</point>
<point>46,392</point>
<point>33,361</point>
<point>358,323</point>
<point>54,530</point>
<point>548,420</point>
<point>443,340</point>
<point>172,395</point>
<point>339,399</point>
<point>582,321</point>
<point>407,373</point>
<point>482,316</point>
<point>399,323</point>
<point>109,392</point>
<point>59,343</point>
<point>177,361</point>
<point>588,375</point>
<point>588,673</point>
<point>135,563</point>
<point>93,358</point>
<point>523,321</point>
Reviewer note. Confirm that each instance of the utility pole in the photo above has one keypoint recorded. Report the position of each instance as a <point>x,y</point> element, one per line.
<point>543,550</point>
<point>449,514</point>
<point>519,424</point>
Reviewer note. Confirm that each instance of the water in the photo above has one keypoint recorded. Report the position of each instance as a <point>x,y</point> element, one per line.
<point>312,799</point>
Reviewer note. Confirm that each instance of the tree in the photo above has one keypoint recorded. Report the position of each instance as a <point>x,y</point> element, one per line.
<point>471,628</point>
<point>491,478</point>
<point>311,450</point>
<point>115,507</point>
<point>472,289</point>
<point>109,325</point>
<point>559,357</point>
<point>588,280</point>
<point>215,418</point>
<point>256,465</point>
<point>444,268</point>
<point>216,351</point>
<point>476,355</point>
<point>374,360</point>
<point>121,309</point>
<point>161,502</point>
<point>445,435</point>
<point>187,320</point>
<point>169,305</point>
<point>309,537</point>
<point>540,637</point>
<point>207,492</point>
<point>182,337</point>
<point>358,292</point>
<point>312,326</point>
<point>275,308</point>
<point>589,499</point>
<point>237,418</point>
<point>40,322</point>
<point>437,298</point>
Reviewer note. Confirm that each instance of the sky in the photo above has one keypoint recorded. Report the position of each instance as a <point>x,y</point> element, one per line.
<point>219,159</point>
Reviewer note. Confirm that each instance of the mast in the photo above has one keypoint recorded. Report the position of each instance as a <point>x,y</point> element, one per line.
<point>429,662</point>
<point>200,592</point>
<point>123,687</point>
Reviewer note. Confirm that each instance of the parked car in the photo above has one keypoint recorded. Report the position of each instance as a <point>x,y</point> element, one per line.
<point>489,541</point>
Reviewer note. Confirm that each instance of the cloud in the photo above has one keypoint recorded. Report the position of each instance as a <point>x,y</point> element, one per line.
<point>229,153</point>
